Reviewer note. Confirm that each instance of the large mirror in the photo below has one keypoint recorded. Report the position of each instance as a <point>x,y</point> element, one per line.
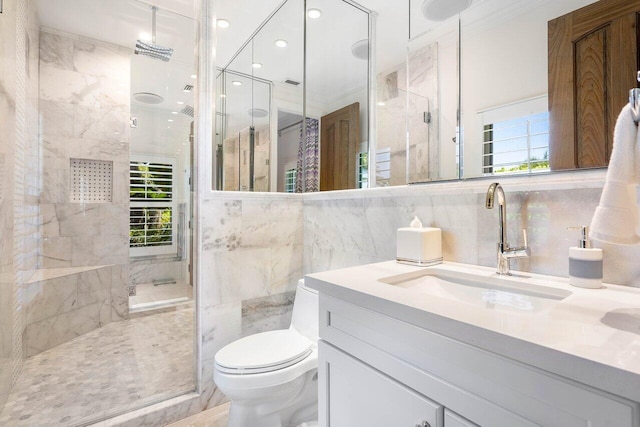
<point>293,101</point>
<point>542,82</point>
<point>489,87</point>
<point>417,96</point>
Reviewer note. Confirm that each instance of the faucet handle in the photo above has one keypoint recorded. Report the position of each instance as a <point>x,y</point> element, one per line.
<point>525,241</point>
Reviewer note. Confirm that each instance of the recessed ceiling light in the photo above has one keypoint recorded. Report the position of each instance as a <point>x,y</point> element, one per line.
<point>193,76</point>
<point>381,103</point>
<point>256,65</point>
<point>360,49</point>
<point>145,37</point>
<point>174,112</point>
<point>180,102</point>
<point>236,83</point>
<point>314,13</point>
<point>223,23</point>
<point>222,95</point>
<point>281,43</point>
<point>258,112</point>
<point>170,120</point>
<point>148,98</point>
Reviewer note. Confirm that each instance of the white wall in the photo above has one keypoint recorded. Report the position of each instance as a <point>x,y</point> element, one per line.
<point>503,62</point>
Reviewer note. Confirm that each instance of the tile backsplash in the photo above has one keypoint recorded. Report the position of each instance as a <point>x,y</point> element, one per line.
<point>346,231</point>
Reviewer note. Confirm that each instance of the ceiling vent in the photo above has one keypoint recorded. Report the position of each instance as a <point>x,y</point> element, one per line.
<point>292,82</point>
<point>187,110</point>
<point>188,88</point>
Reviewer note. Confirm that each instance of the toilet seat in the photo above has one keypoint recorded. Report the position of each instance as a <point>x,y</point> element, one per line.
<point>263,352</point>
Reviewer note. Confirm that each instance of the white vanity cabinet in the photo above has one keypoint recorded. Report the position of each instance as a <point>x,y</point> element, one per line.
<point>451,419</point>
<point>362,396</point>
<point>376,370</point>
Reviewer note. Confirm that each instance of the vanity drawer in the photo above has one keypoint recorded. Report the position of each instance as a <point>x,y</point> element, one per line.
<point>486,388</point>
<point>451,419</point>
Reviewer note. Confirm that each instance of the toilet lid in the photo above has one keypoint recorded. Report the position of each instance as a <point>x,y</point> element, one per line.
<point>264,352</point>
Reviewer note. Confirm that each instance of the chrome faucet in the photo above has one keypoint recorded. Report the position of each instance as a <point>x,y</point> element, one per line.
<point>505,253</point>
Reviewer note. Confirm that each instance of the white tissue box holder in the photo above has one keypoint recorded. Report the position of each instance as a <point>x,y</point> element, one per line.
<point>419,246</point>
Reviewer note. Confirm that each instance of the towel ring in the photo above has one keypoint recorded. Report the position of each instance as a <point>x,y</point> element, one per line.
<point>634,101</point>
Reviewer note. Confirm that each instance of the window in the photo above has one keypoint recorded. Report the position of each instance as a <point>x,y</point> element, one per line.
<point>290,181</point>
<point>383,167</point>
<point>152,207</point>
<point>363,170</point>
<point>516,138</point>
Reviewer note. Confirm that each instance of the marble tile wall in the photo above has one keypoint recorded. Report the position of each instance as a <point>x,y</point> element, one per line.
<point>84,109</point>
<point>346,231</point>
<point>65,307</point>
<point>252,248</point>
<point>19,176</point>
<point>7,148</point>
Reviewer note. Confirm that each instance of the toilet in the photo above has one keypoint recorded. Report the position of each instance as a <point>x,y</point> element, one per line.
<point>271,378</point>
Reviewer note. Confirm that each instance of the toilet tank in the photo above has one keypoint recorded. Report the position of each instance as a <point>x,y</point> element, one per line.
<point>305,312</point>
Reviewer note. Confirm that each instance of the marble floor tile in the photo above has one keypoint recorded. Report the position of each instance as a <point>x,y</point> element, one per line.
<point>214,417</point>
<point>108,371</point>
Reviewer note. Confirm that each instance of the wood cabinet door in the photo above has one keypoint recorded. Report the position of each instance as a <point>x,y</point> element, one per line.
<point>593,61</point>
<point>339,139</point>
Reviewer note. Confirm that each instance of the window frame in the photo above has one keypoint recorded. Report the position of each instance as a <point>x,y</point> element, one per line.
<point>524,110</point>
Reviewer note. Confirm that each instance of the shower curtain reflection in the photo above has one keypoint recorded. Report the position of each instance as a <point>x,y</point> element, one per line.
<point>307,168</point>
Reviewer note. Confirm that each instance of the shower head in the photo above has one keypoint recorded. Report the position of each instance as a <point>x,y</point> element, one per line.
<point>153,50</point>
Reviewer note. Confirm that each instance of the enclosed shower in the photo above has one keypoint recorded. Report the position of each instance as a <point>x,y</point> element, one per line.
<point>73,349</point>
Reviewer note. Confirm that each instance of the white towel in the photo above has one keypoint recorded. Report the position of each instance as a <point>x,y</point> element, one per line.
<point>616,217</point>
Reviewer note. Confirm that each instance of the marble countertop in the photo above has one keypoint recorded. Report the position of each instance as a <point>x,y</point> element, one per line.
<point>592,336</point>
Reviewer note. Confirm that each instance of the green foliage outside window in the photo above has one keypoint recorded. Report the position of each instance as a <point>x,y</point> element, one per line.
<point>150,225</point>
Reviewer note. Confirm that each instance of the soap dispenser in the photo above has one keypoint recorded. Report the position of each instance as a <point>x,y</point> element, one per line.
<point>585,262</point>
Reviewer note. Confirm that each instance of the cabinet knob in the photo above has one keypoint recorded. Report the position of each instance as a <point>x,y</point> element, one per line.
<point>424,424</point>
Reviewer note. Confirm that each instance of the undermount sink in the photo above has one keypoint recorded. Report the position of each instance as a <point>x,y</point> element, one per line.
<point>511,293</point>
